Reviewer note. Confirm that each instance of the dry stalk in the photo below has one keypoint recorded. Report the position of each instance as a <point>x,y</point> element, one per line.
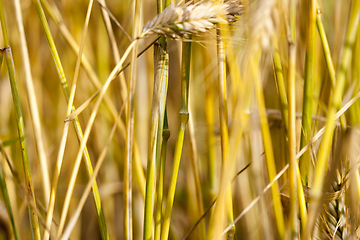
<point>192,19</point>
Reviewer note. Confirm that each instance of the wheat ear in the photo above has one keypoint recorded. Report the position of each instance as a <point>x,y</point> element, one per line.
<point>180,22</point>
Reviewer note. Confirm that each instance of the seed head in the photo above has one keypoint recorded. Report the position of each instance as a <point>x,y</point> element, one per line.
<point>192,19</point>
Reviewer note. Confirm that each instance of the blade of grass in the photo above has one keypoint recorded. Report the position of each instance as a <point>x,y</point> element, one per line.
<point>34,223</point>
<point>10,141</point>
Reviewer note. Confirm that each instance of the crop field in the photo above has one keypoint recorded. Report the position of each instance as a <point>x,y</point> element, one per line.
<point>164,119</point>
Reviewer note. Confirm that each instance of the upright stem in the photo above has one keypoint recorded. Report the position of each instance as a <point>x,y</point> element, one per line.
<point>21,128</point>
<point>154,140</point>
<point>280,83</point>
<point>328,60</point>
<point>308,90</point>
<point>183,119</point>
<point>163,132</point>
<point>160,183</point>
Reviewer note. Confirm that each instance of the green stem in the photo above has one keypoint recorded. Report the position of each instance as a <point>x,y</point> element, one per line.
<point>155,137</point>
<point>21,128</point>
<point>163,132</point>
<point>304,161</point>
<point>328,60</point>
<point>160,183</point>
<point>280,84</point>
<point>7,199</point>
<point>183,119</point>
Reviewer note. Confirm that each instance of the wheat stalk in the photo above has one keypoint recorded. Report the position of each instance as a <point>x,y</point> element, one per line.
<point>179,22</point>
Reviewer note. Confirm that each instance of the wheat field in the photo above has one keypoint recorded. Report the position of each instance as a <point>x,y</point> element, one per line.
<point>178,120</point>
